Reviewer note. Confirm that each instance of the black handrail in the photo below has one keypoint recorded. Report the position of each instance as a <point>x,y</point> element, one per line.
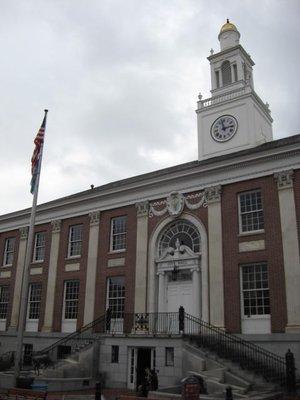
<point>247,354</point>
<point>90,328</point>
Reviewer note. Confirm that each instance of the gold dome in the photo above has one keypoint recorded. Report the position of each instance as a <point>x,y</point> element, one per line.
<point>228,27</point>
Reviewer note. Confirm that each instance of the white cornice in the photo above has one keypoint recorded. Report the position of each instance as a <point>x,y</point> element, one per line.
<point>185,178</point>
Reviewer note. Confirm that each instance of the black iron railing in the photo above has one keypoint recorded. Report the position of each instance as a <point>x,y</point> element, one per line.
<point>75,341</point>
<point>247,354</point>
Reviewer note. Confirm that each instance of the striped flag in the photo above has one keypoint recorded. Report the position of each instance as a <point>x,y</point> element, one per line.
<point>37,152</point>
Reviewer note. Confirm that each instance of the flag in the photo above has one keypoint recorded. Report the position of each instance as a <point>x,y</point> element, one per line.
<point>35,159</point>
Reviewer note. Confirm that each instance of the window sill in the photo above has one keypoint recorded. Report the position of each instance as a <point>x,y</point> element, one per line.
<point>72,258</point>
<point>117,251</point>
<point>251,233</point>
<point>37,262</point>
<point>258,316</point>
<point>6,266</point>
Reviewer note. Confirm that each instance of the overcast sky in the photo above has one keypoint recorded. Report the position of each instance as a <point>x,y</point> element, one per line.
<point>120,79</point>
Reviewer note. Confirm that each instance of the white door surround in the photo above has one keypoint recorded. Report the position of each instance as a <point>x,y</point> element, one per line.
<point>159,269</point>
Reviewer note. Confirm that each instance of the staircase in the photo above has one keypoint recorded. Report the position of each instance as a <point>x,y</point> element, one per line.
<point>227,346</point>
<point>222,358</point>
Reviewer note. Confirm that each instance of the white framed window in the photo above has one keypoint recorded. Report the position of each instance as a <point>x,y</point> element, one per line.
<point>39,247</point>
<point>116,296</point>
<point>251,215</point>
<point>118,233</point>
<point>217,74</point>
<point>8,256</point>
<point>114,354</point>
<point>71,298</point>
<point>255,289</point>
<point>185,232</point>
<point>235,72</point>
<point>34,301</point>
<point>169,356</point>
<point>4,299</point>
<point>226,73</point>
<point>75,241</point>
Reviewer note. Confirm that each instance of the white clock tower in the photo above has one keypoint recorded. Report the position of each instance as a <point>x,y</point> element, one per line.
<point>234,118</point>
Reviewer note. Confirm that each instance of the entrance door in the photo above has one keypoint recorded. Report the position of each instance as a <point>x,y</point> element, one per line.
<point>143,362</point>
<point>139,359</point>
<point>179,294</point>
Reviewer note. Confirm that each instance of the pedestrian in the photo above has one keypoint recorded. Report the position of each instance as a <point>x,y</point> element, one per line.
<point>153,380</point>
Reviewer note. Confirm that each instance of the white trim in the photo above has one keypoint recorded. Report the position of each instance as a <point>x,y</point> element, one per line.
<point>69,256</point>
<point>123,249</point>
<point>64,300</point>
<point>6,252</point>
<point>152,301</point>
<point>34,248</point>
<point>225,171</point>
<point>257,231</point>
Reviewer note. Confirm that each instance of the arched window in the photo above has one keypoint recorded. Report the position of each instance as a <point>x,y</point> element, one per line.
<point>185,232</point>
<point>226,73</point>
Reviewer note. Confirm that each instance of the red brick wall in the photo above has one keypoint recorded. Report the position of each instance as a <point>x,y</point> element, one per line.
<point>62,275</point>
<point>104,254</point>
<point>272,254</point>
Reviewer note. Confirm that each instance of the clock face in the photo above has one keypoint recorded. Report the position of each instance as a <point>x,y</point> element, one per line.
<point>224,128</point>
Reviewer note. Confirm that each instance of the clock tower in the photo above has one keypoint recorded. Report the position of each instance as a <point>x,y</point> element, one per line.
<point>234,117</point>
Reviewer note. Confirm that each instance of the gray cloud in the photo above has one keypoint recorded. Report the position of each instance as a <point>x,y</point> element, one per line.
<point>121,80</point>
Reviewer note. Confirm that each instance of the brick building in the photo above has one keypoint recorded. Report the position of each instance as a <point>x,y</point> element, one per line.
<point>219,236</point>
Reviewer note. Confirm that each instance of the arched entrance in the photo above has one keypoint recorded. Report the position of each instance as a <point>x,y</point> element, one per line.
<point>178,267</point>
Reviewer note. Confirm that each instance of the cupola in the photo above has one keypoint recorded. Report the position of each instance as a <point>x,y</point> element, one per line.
<point>229,36</point>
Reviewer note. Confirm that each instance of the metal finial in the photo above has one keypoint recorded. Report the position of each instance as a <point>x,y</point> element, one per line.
<point>211,51</point>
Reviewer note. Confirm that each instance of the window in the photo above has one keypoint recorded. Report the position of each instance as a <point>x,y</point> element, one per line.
<point>118,234</point>
<point>27,355</point>
<point>255,289</point>
<point>251,211</point>
<point>185,232</point>
<point>4,297</point>
<point>226,73</point>
<point>71,299</point>
<point>217,79</point>
<point>34,300</point>
<point>75,241</point>
<point>39,247</point>
<point>116,296</point>
<point>63,351</point>
<point>235,74</point>
<point>169,356</point>
<point>9,251</point>
<point>115,354</point>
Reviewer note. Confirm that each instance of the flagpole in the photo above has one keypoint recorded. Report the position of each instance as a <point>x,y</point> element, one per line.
<point>26,270</point>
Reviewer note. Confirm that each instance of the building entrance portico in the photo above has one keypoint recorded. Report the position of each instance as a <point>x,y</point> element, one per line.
<point>178,271</point>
